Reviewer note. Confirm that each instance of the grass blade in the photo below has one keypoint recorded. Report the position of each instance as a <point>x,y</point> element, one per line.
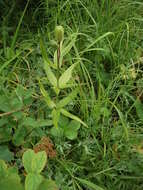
<point>18,27</point>
<point>89,184</point>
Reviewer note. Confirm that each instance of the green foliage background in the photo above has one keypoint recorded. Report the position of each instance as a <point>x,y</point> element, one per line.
<point>109,46</point>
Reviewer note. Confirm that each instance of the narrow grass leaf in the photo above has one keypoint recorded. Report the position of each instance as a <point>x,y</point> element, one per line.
<point>48,100</point>
<point>98,39</point>
<point>9,61</point>
<point>89,184</point>
<point>44,53</point>
<point>18,27</point>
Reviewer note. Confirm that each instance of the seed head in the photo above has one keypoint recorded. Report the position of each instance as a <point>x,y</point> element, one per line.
<point>59,33</point>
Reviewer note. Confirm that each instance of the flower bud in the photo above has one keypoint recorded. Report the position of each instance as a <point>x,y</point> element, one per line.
<point>59,33</point>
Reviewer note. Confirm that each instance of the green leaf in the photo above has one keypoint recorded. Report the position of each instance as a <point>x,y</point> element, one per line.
<point>139,109</point>
<point>89,184</point>
<point>9,178</point>
<point>67,48</point>
<point>5,154</point>
<point>5,134</point>
<point>50,75</point>
<point>5,103</point>
<point>67,99</point>
<point>57,132</point>
<point>47,64</point>
<point>6,63</point>
<point>34,162</point>
<point>68,114</point>
<point>44,53</point>
<point>29,121</point>
<point>3,121</point>
<point>48,185</point>
<point>19,135</point>
<point>39,161</point>
<point>63,121</point>
<point>10,184</point>
<point>70,134</point>
<point>33,181</point>
<point>70,131</point>
<point>55,117</point>
<point>74,125</point>
<point>3,170</point>
<point>8,173</point>
<point>13,174</point>
<point>98,39</point>
<point>27,160</point>
<point>65,77</point>
<point>70,44</point>
<point>48,100</point>
<point>44,122</point>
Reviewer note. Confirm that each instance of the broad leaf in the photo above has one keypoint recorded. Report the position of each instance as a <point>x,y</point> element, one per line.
<point>5,134</point>
<point>47,64</point>
<point>27,160</point>
<point>50,75</point>
<point>67,99</point>
<point>29,121</point>
<point>5,154</point>
<point>3,169</point>
<point>44,122</point>
<point>34,162</point>
<point>48,185</point>
<point>65,77</point>
<point>74,125</point>
<point>70,134</point>
<point>71,130</point>
<point>39,161</point>
<point>33,181</point>
<point>63,121</point>
<point>10,184</point>
<point>20,134</point>
<point>57,132</point>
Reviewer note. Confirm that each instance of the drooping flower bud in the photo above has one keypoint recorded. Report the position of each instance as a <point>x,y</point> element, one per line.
<point>59,33</point>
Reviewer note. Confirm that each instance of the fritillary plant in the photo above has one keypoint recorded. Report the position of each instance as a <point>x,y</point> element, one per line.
<point>59,78</point>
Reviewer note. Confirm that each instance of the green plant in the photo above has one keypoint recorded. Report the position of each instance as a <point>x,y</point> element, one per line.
<point>108,50</point>
<point>33,164</point>
<point>66,128</point>
<point>9,178</point>
<point>60,79</point>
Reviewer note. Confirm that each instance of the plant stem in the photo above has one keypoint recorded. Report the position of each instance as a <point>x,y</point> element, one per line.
<point>58,65</point>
